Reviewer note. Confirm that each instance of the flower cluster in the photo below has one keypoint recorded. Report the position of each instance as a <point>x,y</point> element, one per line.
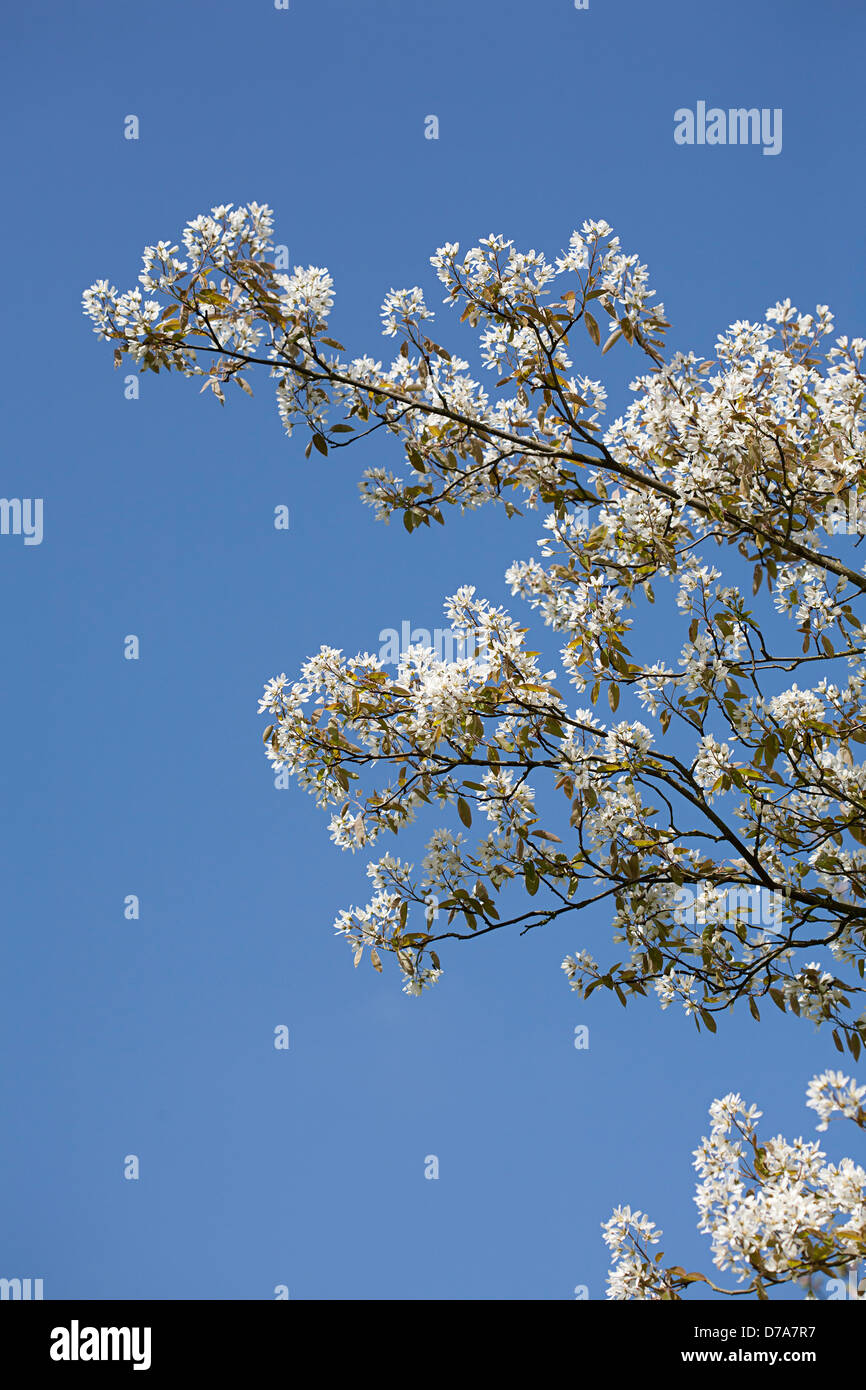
<point>776,1212</point>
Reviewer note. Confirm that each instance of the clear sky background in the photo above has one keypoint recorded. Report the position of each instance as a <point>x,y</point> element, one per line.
<point>155,1037</point>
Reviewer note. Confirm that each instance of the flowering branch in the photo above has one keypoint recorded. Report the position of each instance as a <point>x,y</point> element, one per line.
<point>725,828</point>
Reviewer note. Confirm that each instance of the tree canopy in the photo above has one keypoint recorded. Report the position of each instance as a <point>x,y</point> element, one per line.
<point>722,830</point>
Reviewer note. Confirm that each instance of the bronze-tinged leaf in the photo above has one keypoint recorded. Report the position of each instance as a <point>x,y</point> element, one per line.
<point>592,327</point>
<point>214,297</point>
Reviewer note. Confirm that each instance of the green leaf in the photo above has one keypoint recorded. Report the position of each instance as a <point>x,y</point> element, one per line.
<point>531,879</point>
<point>463,811</point>
<point>213,297</point>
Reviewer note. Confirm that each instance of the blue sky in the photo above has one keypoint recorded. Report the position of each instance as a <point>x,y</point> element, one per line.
<point>155,1037</point>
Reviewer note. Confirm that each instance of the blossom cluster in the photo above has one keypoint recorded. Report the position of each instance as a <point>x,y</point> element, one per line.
<point>776,1212</point>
